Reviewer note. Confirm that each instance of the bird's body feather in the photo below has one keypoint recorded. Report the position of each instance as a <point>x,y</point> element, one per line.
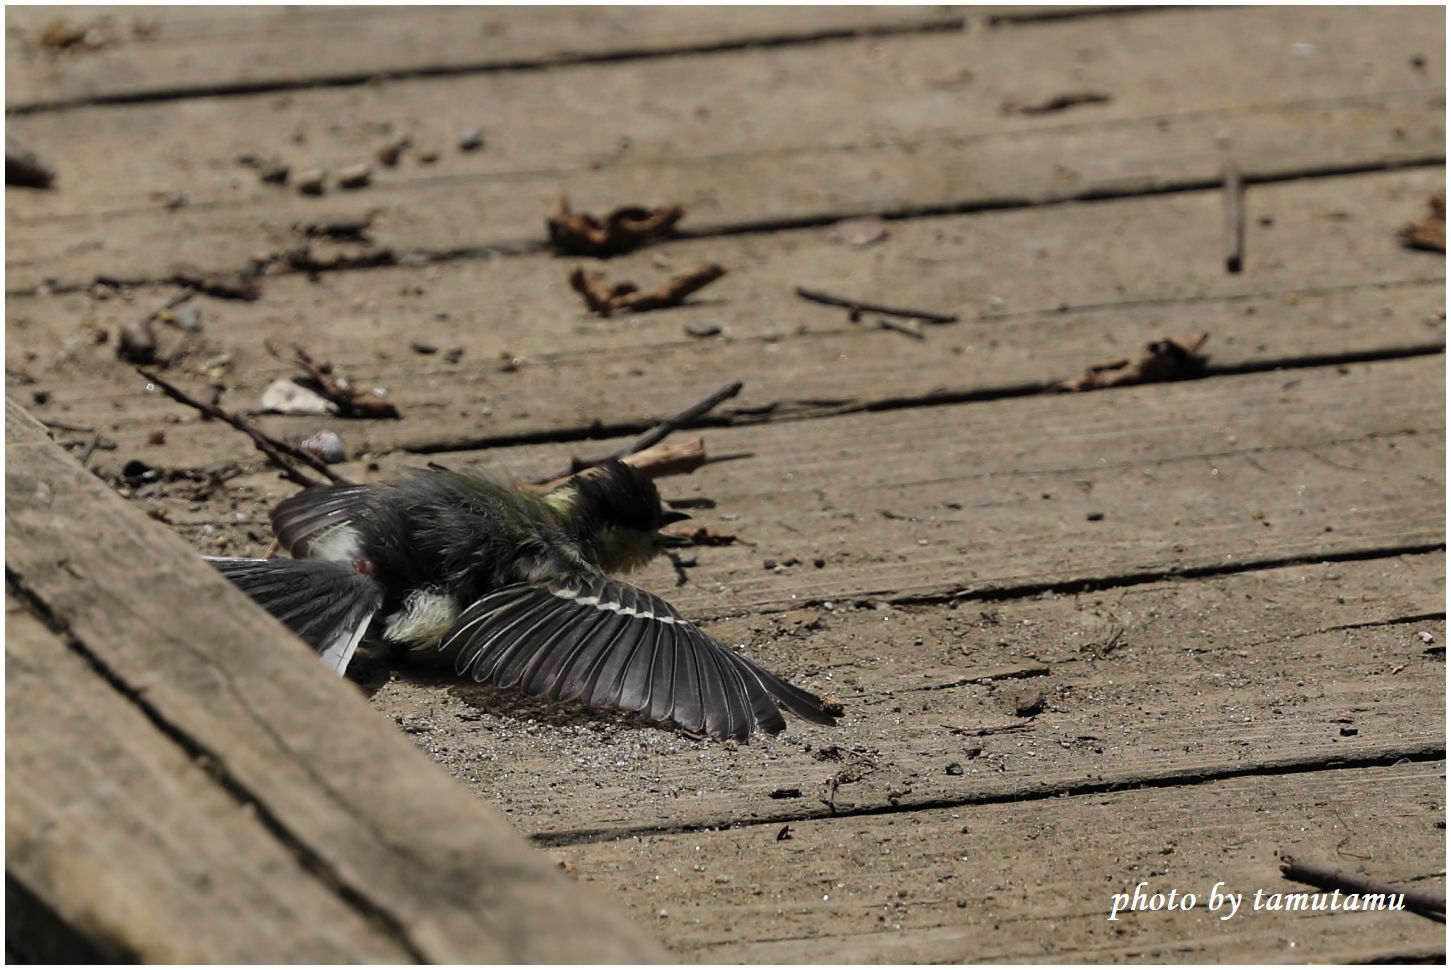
<point>513,587</point>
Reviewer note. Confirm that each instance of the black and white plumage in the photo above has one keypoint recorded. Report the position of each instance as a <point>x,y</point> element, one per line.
<point>515,588</point>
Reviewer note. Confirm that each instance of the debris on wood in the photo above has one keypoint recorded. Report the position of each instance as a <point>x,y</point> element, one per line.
<point>866,231</point>
<point>304,260</point>
<point>784,833</point>
<point>1060,102</point>
<point>911,328</point>
<point>1430,232</point>
<point>607,299</point>
<point>137,342</point>
<point>619,232</point>
<point>702,329</point>
<point>326,445</point>
<point>352,402</point>
<point>1233,219</point>
<point>286,396</point>
<point>278,451</point>
<point>785,793</point>
<point>1171,359</point>
<point>1028,702</point>
<point>649,453</point>
<point>355,176</point>
<point>350,229</point>
<point>981,732</point>
<point>389,154</point>
<point>1425,902</point>
<point>832,704</point>
<point>270,170</point>
<point>63,35</point>
<point>471,140</point>
<point>701,536</point>
<point>312,182</point>
<point>25,168</point>
<point>223,286</point>
<point>858,307</point>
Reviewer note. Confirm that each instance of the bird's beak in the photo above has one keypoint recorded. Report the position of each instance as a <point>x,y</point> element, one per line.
<point>673,516</point>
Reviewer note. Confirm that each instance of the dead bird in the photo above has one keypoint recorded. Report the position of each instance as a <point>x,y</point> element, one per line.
<point>514,587</point>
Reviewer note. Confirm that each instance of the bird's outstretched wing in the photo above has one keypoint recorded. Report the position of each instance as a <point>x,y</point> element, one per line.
<point>320,522</point>
<point>327,604</point>
<point>609,644</point>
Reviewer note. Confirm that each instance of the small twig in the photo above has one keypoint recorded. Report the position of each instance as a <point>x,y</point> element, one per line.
<point>679,565</point>
<point>91,447</point>
<point>662,460</point>
<point>993,729</point>
<point>910,330</point>
<point>658,461</point>
<point>1233,219</point>
<point>858,307</point>
<point>677,421</point>
<point>278,451</point>
<point>1428,904</point>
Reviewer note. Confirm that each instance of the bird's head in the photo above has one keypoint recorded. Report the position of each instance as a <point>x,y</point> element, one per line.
<point>616,511</point>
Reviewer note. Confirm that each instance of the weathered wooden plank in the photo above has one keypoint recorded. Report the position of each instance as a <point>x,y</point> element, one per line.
<point>111,823</point>
<point>873,138</point>
<point>1033,882</point>
<point>440,878</point>
<point>1155,683</point>
<point>154,51</point>
<point>1324,267</point>
<point>1046,490</point>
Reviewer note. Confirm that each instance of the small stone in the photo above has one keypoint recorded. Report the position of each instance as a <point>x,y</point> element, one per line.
<point>701,328</point>
<point>325,445</point>
<point>355,176</point>
<point>471,141</point>
<point>428,156</point>
<point>156,438</point>
<point>768,564</point>
<point>312,182</point>
<point>954,769</point>
<point>1095,516</point>
<point>453,356</point>
<point>284,396</point>
<point>188,318</point>
<point>1028,702</point>
<point>40,396</point>
<point>422,347</point>
<point>389,154</point>
<point>274,173</point>
<point>138,343</point>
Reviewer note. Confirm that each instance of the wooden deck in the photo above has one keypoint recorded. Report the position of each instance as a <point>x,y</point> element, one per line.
<point>1229,590</point>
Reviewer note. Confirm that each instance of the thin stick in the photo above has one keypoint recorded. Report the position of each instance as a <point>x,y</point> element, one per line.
<point>1233,219</point>
<point>862,306</point>
<point>1428,904</point>
<point>651,439</point>
<point>984,731</point>
<point>909,329</point>
<point>277,450</point>
<point>677,421</point>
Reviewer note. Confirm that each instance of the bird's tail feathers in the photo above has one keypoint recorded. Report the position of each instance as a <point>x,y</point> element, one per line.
<point>328,604</point>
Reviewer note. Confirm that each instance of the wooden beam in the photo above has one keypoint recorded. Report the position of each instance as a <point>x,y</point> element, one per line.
<point>187,784</point>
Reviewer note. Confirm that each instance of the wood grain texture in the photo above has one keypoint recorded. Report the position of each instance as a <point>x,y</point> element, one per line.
<point>888,132</point>
<point>1327,280</point>
<point>138,848</point>
<point>440,877</point>
<point>988,498</point>
<point>1159,683</point>
<point>153,51</point>
<point>1033,882</point>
